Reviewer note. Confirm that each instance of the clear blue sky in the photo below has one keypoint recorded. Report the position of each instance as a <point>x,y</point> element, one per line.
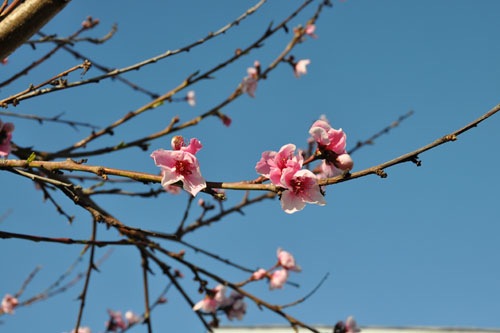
<point>417,248</point>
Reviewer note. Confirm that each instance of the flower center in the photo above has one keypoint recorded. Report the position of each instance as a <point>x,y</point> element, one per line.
<point>297,185</point>
<point>182,168</point>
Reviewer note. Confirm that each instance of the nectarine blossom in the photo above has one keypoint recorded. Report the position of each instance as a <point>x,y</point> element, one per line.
<point>278,279</point>
<point>273,163</point>
<point>259,274</point>
<point>309,30</point>
<point>6,130</point>
<point>302,187</point>
<point>287,261</point>
<point>180,165</point>
<point>328,138</point>
<point>332,145</point>
<point>300,67</point>
<point>249,83</point>
<point>9,303</point>
<point>178,144</point>
<point>213,299</point>
<point>132,318</point>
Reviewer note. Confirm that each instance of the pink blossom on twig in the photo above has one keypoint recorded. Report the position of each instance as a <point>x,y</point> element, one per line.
<point>179,165</point>
<point>302,187</point>
<point>278,279</point>
<point>9,303</point>
<point>287,261</point>
<point>300,67</point>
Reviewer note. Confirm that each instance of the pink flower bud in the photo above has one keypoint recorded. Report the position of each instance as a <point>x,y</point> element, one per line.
<point>259,274</point>
<point>344,162</point>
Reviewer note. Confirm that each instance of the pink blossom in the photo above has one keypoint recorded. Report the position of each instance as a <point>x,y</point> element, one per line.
<point>234,307</point>
<point>309,30</point>
<point>328,169</point>
<point>115,321</point>
<point>344,162</point>
<point>263,166</point>
<point>287,261</point>
<point>300,67</point>
<point>4,61</point>
<point>259,274</point>
<point>9,303</point>
<point>302,187</point>
<point>213,299</point>
<point>249,83</point>
<point>278,278</point>
<point>273,163</point>
<point>327,137</point>
<point>193,147</point>
<point>132,318</point>
<point>179,165</point>
<point>6,130</point>
<point>332,143</point>
<point>191,98</point>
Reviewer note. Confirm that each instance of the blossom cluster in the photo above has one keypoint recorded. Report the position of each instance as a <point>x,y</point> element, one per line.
<point>284,168</point>
<point>215,299</point>
<point>6,130</point>
<point>278,274</point>
<point>249,82</point>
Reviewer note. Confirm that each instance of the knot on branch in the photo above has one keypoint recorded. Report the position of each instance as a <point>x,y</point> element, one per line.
<point>416,160</point>
<point>381,173</point>
<point>450,137</point>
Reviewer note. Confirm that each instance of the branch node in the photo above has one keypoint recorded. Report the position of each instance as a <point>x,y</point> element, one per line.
<point>381,173</point>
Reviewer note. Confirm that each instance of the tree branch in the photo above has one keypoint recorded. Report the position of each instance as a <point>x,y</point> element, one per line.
<point>24,21</point>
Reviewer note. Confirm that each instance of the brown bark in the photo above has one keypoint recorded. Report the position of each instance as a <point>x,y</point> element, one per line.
<point>24,21</point>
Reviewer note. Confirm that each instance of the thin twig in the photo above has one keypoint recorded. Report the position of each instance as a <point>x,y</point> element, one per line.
<point>386,130</point>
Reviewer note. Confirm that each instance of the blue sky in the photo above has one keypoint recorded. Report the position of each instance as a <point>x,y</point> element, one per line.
<point>417,248</point>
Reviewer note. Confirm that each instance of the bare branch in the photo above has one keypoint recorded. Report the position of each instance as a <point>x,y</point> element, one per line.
<point>13,28</point>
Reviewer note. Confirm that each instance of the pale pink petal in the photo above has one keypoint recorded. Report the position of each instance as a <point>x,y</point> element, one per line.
<point>301,67</point>
<point>179,165</point>
<point>328,137</point>
<point>207,304</point>
<point>249,86</point>
<point>291,203</point>
<point>9,303</point>
<point>302,187</point>
<point>193,147</point>
<point>132,318</point>
<point>259,274</point>
<point>310,29</point>
<point>344,162</point>
<point>278,279</point>
<point>287,261</point>
<point>262,167</point>
<point>329,170</point>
